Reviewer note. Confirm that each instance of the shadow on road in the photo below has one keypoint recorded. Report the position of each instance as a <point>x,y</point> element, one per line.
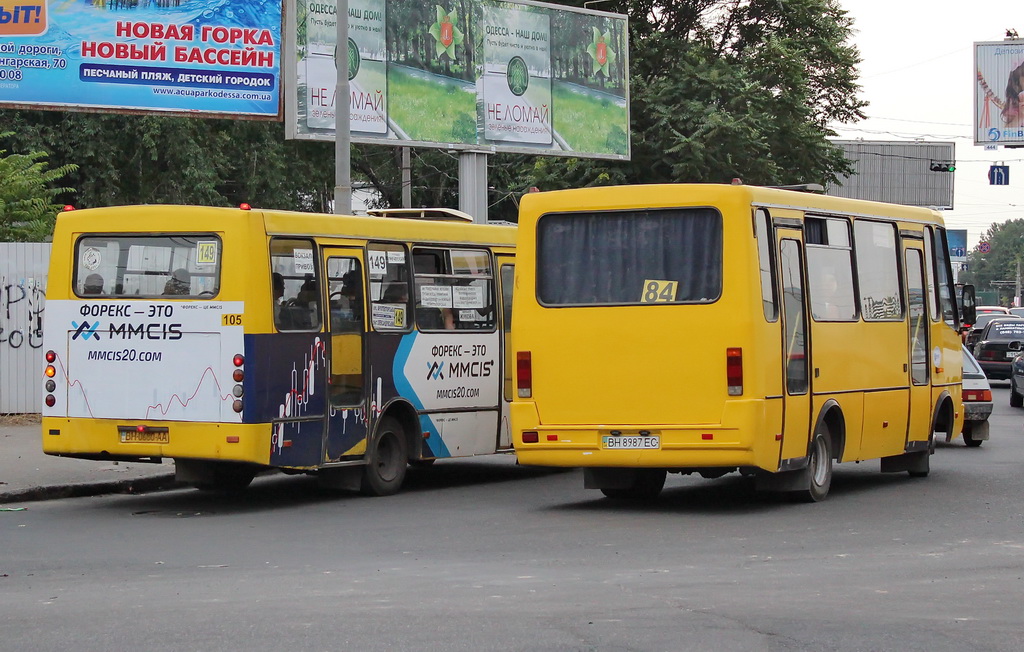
<point>280,491</point>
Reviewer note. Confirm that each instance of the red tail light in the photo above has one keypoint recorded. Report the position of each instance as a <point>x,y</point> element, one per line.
<point>988,354</point>
<point>734,370</point>
<point>977,395</point>
<point>524,374</point>
<point>51,356</point>
<point>530,437</point>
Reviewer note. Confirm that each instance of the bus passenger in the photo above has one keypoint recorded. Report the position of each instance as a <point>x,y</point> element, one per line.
<point>93,285</point>
<point>179,283</point>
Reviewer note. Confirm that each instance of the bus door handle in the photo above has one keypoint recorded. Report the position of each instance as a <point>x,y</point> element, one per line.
<point>904,367</point>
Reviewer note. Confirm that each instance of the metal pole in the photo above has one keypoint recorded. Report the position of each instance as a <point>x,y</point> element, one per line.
<point>342,153</point>
<point>406,178</point>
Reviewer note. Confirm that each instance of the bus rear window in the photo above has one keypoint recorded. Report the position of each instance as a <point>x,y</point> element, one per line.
<point>630,257</point>
<point>130,266</point>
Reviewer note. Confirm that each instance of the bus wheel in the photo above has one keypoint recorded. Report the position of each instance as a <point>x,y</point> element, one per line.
<point>819,469</point>
<point>387,460</point>
<point>646,485</point>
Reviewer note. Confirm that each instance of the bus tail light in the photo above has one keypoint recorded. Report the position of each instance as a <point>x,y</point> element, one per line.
<point>530,437</point>
<point>977,395</point>
<point>734,370</point>
<point>238,375</point>
<point>524,374</point>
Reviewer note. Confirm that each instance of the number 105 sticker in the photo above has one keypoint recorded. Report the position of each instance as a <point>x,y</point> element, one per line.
<point>659,291</point>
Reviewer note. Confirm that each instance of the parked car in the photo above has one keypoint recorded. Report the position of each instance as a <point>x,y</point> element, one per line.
<point>977,396</point>
<point>1017,311</point>
<point>1017,381</point>
<point>999,343</point>
<point>979,325</point>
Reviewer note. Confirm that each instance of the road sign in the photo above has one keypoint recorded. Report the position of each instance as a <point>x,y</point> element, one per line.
<point>984,247</point>
<point>999,175</point>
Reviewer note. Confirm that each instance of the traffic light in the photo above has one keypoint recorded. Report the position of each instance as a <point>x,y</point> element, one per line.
<point>943,166</point>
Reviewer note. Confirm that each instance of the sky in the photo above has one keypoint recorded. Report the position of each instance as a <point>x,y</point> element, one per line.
<point>917,75</point>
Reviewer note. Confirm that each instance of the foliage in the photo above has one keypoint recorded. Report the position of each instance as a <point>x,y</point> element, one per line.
<point>720,89</point>
<point>128,159</point>
<point>730,88</point>
<point>28,208</point>
<point>1006,250</point>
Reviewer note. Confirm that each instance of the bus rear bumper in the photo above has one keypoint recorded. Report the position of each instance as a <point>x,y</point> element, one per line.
<point>101,439</point>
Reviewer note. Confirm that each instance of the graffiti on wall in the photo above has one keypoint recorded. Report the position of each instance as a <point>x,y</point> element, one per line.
<point>22,302</point>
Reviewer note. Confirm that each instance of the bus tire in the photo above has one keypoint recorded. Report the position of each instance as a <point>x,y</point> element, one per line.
<point>646,485</point>
<point>819,468</point>
<point>386,460</point>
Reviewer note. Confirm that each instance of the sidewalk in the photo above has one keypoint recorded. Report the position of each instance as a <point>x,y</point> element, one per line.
<point>26,473</point>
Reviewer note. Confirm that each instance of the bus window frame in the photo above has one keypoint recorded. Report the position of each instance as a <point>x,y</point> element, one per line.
<point>319,327</point>
<point>122,258</point>
<point>449,274</point>
<point>370,301</point>
<point>716,210</point>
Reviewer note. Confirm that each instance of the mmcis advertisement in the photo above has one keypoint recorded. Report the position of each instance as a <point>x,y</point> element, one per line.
<point>144,359</point>
<point>999,93</point>
<point>167,56</point>
<point>470,74</point>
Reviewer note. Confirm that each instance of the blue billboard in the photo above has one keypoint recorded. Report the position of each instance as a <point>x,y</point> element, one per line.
<point>183,57</point>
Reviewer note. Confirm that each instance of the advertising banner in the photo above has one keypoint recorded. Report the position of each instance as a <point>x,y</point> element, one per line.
<point>486,75</point>
<point>170,56</point>
<point>999,93</point>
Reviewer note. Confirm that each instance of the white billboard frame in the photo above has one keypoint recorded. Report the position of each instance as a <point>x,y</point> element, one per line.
<point>291,91</point>
<point>998,115</point>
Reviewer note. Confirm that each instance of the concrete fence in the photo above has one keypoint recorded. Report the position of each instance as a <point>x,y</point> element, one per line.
<point>23,271</point>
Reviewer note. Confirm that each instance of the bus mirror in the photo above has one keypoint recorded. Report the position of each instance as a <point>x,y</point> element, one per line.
<point>969,311</point>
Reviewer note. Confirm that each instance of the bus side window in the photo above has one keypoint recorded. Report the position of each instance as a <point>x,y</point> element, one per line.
<point>454,289</point>
<point>295,285</point>
<point>388,269</point>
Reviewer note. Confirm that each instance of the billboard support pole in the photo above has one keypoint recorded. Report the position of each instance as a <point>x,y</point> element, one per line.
<point>406,177</point>
<point>342,135</point>
<point>473,185</point>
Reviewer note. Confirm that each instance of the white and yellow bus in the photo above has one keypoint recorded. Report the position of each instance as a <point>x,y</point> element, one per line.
<point>238,340</point>
<point>716,328</point>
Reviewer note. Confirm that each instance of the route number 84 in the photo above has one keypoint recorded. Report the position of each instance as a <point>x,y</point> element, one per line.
<point>659,291</point>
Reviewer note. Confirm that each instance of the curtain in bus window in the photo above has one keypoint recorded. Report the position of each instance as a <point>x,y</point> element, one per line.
<point>609,258</point>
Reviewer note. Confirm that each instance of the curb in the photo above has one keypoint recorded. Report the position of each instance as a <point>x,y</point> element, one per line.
<point>136,486</point>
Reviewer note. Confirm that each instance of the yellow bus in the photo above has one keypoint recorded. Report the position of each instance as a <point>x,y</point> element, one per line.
<point>717,328</point>
<point>238,340</point>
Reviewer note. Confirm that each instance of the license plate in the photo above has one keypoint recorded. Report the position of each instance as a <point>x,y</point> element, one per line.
<point>133,436</point>
<point>631,442</point>
<point>1012,354</point>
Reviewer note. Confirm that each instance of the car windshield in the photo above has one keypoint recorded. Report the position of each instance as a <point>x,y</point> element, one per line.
<point>983,320</point>
<point>1011,329</point>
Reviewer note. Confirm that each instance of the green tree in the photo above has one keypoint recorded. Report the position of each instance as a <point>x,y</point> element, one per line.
<point>28,208</point>
<point>730,88</point>
<point>1006,249</point>
<point>126,159</point>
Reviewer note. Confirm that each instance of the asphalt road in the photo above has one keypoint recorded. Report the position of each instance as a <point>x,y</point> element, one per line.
<point>484,555</point>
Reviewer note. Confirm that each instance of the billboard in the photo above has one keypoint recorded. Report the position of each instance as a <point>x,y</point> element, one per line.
<point>181,57</point>
<point>483,75</point>
<point>898,172</point>
<point>999,93</point>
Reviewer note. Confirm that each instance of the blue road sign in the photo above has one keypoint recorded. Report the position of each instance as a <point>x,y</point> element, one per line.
<point>999,175</point>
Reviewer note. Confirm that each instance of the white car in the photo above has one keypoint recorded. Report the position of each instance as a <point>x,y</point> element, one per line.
<point>977,396</point>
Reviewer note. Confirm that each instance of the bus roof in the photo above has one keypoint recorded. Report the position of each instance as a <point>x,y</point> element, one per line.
<point>171,217</point>
<point>704,194</point>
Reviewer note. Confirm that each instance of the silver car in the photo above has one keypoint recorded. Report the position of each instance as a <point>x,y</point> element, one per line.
<point>977,397</point>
